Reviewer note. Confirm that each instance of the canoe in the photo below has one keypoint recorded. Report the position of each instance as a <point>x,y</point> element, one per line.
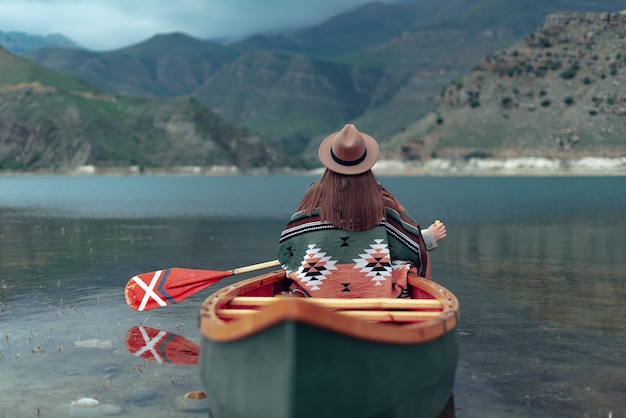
<point>264,355</point>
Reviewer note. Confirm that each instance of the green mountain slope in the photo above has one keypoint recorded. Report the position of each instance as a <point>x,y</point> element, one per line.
<point>50,120</point>
<point>286,93</point>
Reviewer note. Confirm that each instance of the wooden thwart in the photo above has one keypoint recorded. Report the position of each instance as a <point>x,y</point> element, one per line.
<point>341,303</point>
<point>391,316</point>
<point>367,309</point>
<point>250,306</point>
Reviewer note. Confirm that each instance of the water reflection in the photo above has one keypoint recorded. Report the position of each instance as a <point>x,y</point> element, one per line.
<point>161,346</point>
<point>564,273</point>
<point>542,324</point>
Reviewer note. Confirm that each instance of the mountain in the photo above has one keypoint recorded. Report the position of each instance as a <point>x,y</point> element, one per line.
<point>381,66</point>
<point>558,93</point>
<point>168,65</point>
<point>424,59</point>
<point>53,121</point>
<point>286,93</point>
<point>20,42</point>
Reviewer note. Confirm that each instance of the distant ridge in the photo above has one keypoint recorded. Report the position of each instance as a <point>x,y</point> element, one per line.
<point>20,42</point>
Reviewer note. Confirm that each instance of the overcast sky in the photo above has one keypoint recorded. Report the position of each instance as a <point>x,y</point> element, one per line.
<point>112,24</point>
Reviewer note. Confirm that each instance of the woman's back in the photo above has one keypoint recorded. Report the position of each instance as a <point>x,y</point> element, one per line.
<point>350,237</point>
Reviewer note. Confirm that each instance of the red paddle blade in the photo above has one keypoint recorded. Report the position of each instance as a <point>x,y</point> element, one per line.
<point>161,346</point>
<point>165,287</point>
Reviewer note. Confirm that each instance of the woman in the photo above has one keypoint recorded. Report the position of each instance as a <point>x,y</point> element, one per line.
<point>350,237</point>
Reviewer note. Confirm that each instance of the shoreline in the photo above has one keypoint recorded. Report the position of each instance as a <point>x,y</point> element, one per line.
<point>522,166</point>
<point>514,167</point>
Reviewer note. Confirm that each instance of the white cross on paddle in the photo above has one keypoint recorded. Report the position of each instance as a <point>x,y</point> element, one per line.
<point>149,290</point>
<point>150,344</point>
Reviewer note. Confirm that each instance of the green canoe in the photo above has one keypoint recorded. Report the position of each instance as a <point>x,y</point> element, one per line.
<point>270,356</point>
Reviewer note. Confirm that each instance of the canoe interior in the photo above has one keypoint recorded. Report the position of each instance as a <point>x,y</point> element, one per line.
<point>252,305</point>
<point>268,355</point>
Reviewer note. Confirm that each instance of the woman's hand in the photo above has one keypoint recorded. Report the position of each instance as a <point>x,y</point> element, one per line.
<point>438,229</point>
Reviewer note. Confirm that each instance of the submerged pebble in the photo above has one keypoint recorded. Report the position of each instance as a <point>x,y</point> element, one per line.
<point>88,407</point>
<point>192,401</point>
<point>195,395</point>
<point>85,402</point>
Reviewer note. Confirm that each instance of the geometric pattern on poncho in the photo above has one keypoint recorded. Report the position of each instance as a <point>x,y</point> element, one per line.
<point>376,262</point>
<point>315,267</point>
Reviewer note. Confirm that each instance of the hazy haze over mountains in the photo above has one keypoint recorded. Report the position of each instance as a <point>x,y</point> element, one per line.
<point>112,24</point>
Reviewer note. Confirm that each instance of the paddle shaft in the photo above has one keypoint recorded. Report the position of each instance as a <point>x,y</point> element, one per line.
<point>255,267</point>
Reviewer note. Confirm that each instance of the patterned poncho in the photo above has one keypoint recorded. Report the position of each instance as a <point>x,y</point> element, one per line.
<point>325,261</point>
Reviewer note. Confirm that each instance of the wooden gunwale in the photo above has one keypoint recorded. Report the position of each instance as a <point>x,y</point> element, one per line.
<point>216,325</point>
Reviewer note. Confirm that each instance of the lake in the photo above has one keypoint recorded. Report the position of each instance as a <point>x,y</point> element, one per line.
<point>538,265</point>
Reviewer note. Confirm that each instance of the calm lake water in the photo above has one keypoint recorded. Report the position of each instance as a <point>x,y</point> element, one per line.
<point>538,265</point>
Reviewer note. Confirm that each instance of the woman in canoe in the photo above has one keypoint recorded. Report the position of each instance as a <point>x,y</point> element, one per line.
<point>349,236</point>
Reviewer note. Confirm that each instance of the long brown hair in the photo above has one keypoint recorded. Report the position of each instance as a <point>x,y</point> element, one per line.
<point>350,202</point>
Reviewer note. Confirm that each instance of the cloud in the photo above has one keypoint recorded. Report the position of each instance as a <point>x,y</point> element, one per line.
<point>111,24</point>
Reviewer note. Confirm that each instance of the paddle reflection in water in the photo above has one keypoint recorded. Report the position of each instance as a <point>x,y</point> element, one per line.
<point>161,346</point>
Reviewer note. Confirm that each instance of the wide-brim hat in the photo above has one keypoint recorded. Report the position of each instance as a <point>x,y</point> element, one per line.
<point>349,151</point>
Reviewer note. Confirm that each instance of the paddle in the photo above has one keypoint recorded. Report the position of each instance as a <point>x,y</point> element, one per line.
<point>161,346</point>
<point>165,287</point>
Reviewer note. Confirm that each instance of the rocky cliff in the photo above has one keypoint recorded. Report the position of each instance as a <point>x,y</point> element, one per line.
<point>558,93</point>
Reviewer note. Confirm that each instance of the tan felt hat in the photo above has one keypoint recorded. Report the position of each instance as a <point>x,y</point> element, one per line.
<point>348,151</point>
